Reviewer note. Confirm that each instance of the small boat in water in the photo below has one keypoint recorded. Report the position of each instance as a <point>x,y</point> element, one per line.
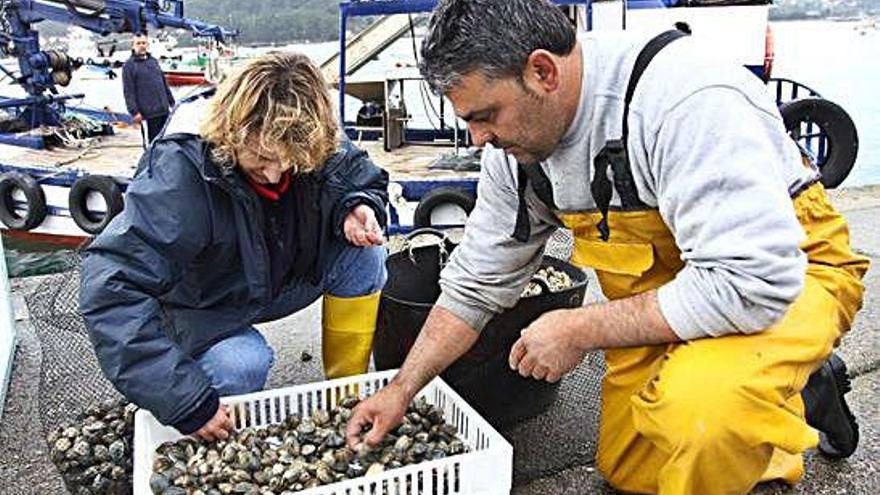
<point>185,78</point>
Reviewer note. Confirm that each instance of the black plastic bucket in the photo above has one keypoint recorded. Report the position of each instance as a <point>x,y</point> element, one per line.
<point>482,376</point>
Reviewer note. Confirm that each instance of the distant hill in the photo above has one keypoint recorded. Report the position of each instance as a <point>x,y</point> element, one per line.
<point>273,21</point>
<point>260,21</point>
<point>823,9</point>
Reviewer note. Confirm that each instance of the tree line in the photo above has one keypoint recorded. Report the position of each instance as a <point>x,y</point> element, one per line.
<point>273,21</point>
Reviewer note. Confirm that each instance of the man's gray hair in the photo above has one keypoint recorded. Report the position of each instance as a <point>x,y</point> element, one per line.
<point>495,37</point>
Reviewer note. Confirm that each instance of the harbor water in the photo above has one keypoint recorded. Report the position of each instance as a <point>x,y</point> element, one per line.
<point>838,59</point>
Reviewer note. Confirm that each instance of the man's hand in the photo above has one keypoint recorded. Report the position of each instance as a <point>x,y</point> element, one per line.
<point>547,349</point>
<point>555,343</point>
<point>361,228</point>
<point>383,411</point>
<point>137,119</point>
<point>443,339</point>
<point>218,427</point>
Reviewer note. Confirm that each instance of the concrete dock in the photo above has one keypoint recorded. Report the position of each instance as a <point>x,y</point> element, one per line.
<point>553,453</point>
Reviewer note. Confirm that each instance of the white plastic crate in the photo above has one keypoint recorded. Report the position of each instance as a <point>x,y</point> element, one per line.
<point>486,470</point>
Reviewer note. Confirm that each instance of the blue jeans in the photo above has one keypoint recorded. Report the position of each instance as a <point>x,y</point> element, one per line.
<point>240,364</point>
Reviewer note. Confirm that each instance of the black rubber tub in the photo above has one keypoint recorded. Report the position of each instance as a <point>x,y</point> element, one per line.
<point>482,376</point>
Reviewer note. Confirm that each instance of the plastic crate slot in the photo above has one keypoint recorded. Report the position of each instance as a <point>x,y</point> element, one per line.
<point>299,405</point>
<point>332,399</point>
<point>274,411</point>
<point>352,390</point>
<point>241,412</point>
<point>252,414</point>
<point>314,402</point>
<point>270,411</point>
<point>465,426</point>
<point>263,412</point>
<point>258,413</point>
<point>288,410</point>
<point>320,400</point>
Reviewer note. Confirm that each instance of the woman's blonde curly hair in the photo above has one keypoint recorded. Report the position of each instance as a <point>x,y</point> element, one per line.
<point>278,102</point>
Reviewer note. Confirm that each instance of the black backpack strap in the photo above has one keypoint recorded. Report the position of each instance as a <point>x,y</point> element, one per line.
<point>614,155</point>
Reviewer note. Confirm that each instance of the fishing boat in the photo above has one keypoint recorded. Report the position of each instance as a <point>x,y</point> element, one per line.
<point>70,192</point>
<point>185,77</point>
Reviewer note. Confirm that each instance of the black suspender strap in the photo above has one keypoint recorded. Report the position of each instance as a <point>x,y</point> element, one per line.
<point>614,154</point>
<point>523,229</point>
<point>542,187</point>
<point>645,56</point>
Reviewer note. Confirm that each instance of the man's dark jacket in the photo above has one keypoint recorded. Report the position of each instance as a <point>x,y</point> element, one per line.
<point>185,265</point>
<point>145,89</point>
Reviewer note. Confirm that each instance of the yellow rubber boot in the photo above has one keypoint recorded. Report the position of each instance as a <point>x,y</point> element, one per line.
<point>348,327</point>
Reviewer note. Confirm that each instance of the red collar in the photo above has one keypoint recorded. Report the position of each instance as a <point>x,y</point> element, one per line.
<point>271,192</point>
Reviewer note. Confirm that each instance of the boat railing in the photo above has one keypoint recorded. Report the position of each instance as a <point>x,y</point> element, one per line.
<point>788,90</point>
<point>809,135</point>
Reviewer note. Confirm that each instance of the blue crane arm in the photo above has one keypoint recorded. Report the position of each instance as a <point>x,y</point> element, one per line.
<point>117,16</point>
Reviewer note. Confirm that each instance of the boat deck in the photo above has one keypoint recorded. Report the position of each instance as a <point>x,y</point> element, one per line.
<point>115,155</point>
<point>118,155</point>
<point>412,161</point>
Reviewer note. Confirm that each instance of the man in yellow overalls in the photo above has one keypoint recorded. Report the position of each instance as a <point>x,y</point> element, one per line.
<point>729,273</point>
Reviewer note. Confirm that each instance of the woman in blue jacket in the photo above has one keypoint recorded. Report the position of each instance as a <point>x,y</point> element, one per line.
<point>265,211</point>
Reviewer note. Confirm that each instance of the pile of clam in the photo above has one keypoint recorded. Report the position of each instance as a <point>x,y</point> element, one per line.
<point>300,453</point>
<point>93,453</point>
<point>555,280</point>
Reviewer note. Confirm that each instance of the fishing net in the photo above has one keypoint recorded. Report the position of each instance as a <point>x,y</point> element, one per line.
<point>87,426</point>
<point>70,379</point>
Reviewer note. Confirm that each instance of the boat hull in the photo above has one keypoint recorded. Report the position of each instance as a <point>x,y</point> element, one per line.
<point>185,78</point>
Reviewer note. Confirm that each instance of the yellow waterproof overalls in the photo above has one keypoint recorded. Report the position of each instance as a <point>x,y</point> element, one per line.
<point>717,415</point>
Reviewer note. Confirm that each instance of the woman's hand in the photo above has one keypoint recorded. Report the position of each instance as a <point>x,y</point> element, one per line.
<point>217,428</point>
<point>361,227</point>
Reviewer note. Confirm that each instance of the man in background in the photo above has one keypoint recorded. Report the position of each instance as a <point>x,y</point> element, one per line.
<point>147,95</point>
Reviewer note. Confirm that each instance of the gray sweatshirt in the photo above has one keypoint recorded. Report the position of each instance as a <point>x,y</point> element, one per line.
<point>707,148</point>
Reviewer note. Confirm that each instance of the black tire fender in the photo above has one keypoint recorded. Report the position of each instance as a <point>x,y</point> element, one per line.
<point>93,222</point>
<point>35,200</point>
<point>440,196</point>
<point>839,129</point>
